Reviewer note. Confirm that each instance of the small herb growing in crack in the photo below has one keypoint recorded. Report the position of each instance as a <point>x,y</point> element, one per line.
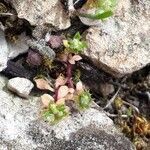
<point>54,112</point>
<point>65,88</point>
<point>76,44</point>
<point>84,99</point>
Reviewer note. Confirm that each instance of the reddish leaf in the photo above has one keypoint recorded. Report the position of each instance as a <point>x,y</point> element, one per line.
<point>71,90</point>
<point>61,101</point>
<point>62,92</point>
<point>75,58</point>
<point>43,84</point>
<point>46,99</point>
<point>60,81</point>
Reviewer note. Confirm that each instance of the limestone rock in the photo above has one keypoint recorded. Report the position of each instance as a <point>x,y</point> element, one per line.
<point>39,12</point>
<point>3,51</point>
<point>22,128</point>
<point>43,49</point>
<point>20,86</point>
<point>18,47</point>
<point>120,45</point>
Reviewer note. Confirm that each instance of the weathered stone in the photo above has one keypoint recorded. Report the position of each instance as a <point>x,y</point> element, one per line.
<point>34,59</point>
<point>43,49</point>
<point>120,45</point>
<point>22,128</point>
<point>3,51</point>
<point>55,41</point>
<point>39,12</point>
<point>20,86</point>
<point>19,46</point>
<point>2,82</point>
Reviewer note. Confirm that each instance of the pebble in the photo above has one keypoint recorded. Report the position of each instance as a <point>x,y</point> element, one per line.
<point>21,86</point>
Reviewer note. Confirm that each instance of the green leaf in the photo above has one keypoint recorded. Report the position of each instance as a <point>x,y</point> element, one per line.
<point>76,45</point>
<point>54,108</point>
<point>55,113</point>
<point>84,100</point>
<point>104,9</point>
<point>50,118</point>
<point>98,15</point>
<point>77,36</point>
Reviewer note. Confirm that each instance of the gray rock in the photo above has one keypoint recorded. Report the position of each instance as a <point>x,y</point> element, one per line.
<point>120,45</point>
<point>18,47</point>
<point>3,51</point>
<point>43,49</point>
<point>20,86</point>
<point>22,128</point>
<point>2,82</point>
<point>39,12</point>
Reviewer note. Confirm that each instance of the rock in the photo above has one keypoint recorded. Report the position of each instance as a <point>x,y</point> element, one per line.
<point>42,12</point>
<point>3,51</point>
<point>16,69</point>
<point>120,45</point>
<point>34,59</point>
<point>11,48</point>
<point>2,82</point>
<point>22,128</point>
<point>43,49</point>
<point>40,31</point>
<point>88,21</point>
<point>106,89</point>
<point>19,46</point>
<point>55,41</point>
<point>20,86</point>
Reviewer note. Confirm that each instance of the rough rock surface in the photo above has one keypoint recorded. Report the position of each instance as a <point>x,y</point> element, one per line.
<point>10,49</point>
<point>39,12</point>
<point>43,49</point>
<point>20,86</point>
<point>120,45</point>
<point>18,47</point>
<point>22,128</point>
<point>3,51</point>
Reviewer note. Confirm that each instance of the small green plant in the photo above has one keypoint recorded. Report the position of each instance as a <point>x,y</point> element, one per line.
<point>84,99</point>
<point>65,88</point>
<point>76,44</point>
<point>55,112</point>
<point>104,9</point>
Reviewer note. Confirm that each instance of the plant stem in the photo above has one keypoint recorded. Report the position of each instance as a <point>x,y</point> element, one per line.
<point>69,75</point>
<point>56,94</point>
